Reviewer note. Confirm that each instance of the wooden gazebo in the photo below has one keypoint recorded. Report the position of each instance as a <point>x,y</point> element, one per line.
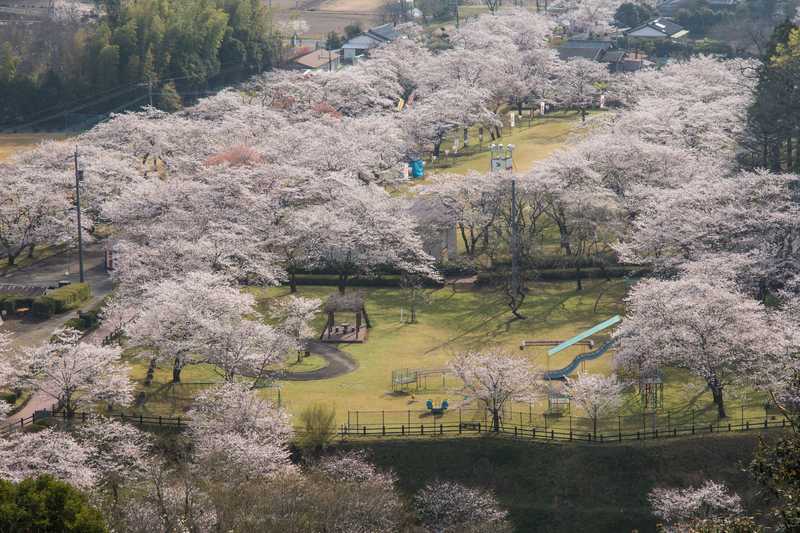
<point>345,331</point>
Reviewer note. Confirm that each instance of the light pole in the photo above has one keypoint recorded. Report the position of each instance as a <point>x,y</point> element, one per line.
<point>78,180</point>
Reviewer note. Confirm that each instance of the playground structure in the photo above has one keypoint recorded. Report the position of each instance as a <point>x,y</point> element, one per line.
<point>419,378</point>
<point>437,411</point>
<point>562,373</point>
<point>579,339</point>
<point>345,332</point>
<point>527,344</point>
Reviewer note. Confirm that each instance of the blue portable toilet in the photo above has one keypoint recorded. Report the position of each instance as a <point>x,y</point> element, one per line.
<point>417,168</point>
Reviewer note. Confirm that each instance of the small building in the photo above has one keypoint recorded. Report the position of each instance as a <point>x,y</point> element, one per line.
<point>585,48</point>
<point>601,51</point>
<point>660,28</point>
<point>372,38</point>
<point>318,60</point>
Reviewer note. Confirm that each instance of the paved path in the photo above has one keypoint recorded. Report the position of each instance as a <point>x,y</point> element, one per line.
<point>339,363</point>
<point>27,332</point>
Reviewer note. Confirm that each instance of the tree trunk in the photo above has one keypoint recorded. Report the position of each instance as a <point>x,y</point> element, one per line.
<point>342,283</point>
<point>437,148</point>
<point>716,392</point>
<point>583,114</point>
<point>177,366</point>
<point>292,282</point>
<point>11,259</point>
<point>151,369</point>
<point>578,277</point>
<point>496,420</point>
<point>30,250</point>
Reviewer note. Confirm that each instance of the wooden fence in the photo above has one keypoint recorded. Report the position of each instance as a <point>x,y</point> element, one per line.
<point>552,435</point>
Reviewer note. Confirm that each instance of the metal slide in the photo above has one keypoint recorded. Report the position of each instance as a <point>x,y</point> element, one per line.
<point>588,333</point>
<point>562,373</point>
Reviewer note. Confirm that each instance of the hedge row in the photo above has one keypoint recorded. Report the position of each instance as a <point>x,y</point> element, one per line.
<point>11,302</point>
<point>390,280</point>
<point>489,279</point>
<point>61,299</point>
<point>484,279</point>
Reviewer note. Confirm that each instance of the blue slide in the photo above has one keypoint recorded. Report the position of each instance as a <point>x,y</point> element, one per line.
<point>562,373</point>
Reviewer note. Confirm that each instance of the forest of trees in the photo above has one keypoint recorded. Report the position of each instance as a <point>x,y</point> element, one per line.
<point>773,120</point>
<point>160,49</point>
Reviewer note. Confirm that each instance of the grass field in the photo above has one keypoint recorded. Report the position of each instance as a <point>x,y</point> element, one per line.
<point>10,143</point>
<point>532,144</point>
<point>449,323</point>
<point>573,488</point>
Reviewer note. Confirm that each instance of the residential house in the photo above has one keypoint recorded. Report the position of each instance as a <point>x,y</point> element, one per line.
<point>372,38</point>
<point>601,51</point>
<point>318,60</point>
<point>659,29</point>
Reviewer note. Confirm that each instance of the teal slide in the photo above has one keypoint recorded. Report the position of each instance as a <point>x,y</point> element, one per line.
<point>562,373</point>
<point>585,335</point>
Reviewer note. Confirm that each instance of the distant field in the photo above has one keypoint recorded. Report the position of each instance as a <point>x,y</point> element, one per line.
<point>11,143</point>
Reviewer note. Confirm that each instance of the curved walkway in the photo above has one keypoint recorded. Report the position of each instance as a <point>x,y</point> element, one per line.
<point>339,363</point>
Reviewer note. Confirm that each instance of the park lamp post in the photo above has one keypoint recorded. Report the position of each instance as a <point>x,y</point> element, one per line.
<point>78,180</point>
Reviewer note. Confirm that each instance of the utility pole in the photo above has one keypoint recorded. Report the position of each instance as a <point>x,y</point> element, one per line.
<point>515,285</point>
<point>78,180</point>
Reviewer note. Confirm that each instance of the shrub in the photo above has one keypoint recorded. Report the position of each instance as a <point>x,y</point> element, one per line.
<point>11,302</point>
<point>46,505</point>
<point>61,299</point>
<point>319,426</point>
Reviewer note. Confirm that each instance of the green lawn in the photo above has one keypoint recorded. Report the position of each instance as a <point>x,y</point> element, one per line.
<point>449,323</point>
<point>532,144</point>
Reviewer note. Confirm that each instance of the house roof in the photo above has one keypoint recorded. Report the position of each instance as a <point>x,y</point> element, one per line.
<point>613,56</point>
<point>317,58</point>
<point>385,32</point>
<point>588,53</point>
<point>22,290</point>
<point>660,27</point>
<point>588,44</point>
<point>586,48</point>
<point>363,42</point>
<point>373,37</point>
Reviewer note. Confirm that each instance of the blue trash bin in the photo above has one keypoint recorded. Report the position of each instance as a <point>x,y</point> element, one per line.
<point>417,168</point>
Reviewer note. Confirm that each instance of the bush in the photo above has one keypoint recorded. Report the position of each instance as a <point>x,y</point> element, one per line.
<point>11,302</point>
<point>491,279</point>
<point>319,426</point>
<point>61,299</point>
<point>46,505</point>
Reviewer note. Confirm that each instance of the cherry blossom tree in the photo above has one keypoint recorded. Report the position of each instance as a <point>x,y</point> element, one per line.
<point>203,318</point>
<point>471,202</point>
<point>118,452</point>
<point>237,435</point>
<point>712,330</point>
<point>494,379</point>
<point>296,314</point>
<point>751,214</point>
<point>25,455</point>
<point>74,373</point>
<point>579,81</point>
<point>34,210</point>
<point>366,229</point>
<point>680,507</point>
<point>596,394</point>
<point>447,507</point>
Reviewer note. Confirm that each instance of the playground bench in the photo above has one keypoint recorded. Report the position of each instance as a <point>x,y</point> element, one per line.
<point>474,426</point>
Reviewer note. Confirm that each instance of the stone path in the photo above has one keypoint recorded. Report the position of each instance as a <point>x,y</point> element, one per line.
<point>339,363</point>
